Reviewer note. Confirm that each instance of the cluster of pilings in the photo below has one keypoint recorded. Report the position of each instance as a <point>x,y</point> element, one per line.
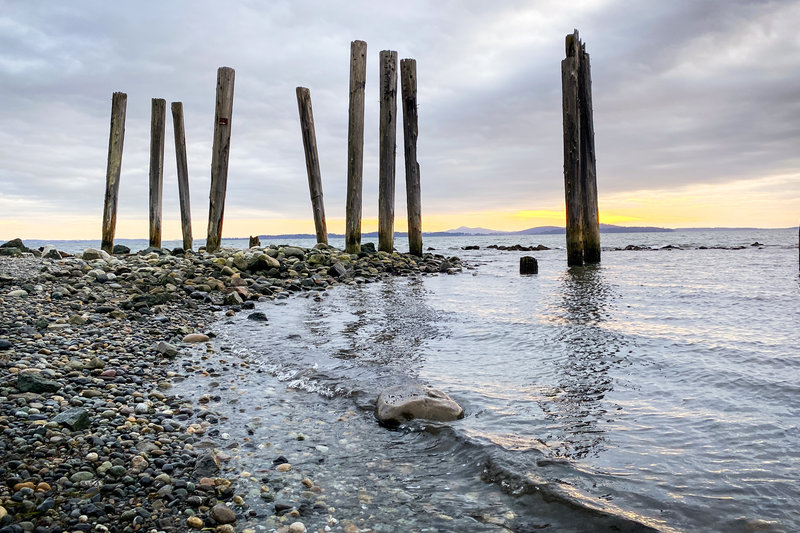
<point>221,150</point>
<point>580,175</point>
<point>355,151</point>
<point>219,165</point>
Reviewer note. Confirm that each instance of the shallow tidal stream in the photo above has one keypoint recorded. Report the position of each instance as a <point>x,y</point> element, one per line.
<point>657,390</point>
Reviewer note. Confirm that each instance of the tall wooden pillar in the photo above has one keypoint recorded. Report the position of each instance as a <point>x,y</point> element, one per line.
<point>355,146</point>
<point>408,77</point>
<point>223,116</point>
<point>590,230</point>
<point>116,139</point>
<point>183,174</point>
<point>580,174</point>
<point>312,162</point>
<point>388,145</point>
<point>158,120</point>
<point>572,153</point>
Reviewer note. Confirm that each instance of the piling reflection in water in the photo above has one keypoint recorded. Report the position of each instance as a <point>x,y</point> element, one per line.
<point>388,330</point>
<point>588,352</point>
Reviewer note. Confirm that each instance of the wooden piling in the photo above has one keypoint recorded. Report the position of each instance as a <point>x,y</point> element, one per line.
<point>158,118</point>
<point>572,162</point>
<point>116,139</point>
<point>223,116</point>
<point>388,145</point>
<point>183,174</point>
<point>590,223</point>
<point>408,76</point>
<point>312,162</point>
<point>355,146</point>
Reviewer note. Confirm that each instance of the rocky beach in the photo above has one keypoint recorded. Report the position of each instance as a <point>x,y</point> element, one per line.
<point>91,345</point>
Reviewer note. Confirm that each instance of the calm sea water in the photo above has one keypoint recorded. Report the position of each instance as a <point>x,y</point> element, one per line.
<point>659,387</point>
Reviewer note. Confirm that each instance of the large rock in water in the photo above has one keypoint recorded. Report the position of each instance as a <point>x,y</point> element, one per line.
<point>402,403</point>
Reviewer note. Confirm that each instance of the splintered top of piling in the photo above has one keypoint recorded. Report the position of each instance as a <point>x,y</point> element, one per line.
<point>573,44</point>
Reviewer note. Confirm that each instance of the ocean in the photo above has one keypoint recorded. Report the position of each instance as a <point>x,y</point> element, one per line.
<point>659,389</point>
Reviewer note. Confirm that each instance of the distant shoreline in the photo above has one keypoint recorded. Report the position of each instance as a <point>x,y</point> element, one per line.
<point>475,232</point>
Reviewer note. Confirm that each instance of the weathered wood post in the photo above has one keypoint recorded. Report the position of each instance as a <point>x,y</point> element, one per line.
<point>183,174</point>
<point>572,151</point>
<point>388,145</point>
<point>408,75</point>
<point>590,216</point>
<point>528,265</point>
<point>223,116</point>
<point>355,146</point>
<point>116,139</point>
<point>158,118</point>
<point>312,162</point>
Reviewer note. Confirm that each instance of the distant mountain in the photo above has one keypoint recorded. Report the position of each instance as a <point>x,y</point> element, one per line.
<point>464,230</point>
<point>554,230</point>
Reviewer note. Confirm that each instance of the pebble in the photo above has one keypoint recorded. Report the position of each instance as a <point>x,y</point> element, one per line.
<point>194,522</point>
<point>196,337</point>
<point>297,527</point>
<point>223,514</point>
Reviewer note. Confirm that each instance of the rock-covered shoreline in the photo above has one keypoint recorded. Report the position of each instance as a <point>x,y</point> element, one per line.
<point>90,437</point>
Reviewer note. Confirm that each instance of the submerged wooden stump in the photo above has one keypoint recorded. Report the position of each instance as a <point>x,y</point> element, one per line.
<point>528,265</point>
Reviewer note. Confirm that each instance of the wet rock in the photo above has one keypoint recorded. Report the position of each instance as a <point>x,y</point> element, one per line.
<point>36,382</point>
<point>167,349</point>
<point>15,244</point>
<point>223,514</point>
<point>50,252</point>
<point>337,270</point>
<point>5,345</point>
<point>195,337</point>
<point>368,248</point>
<point>258,316</point>
<point>76,418</point>
<point>121,249</point>
<point>402,403</point>
<point>92,254</point>
<point>233,298</point>
<point>263,262</point>
<point>194,522</point>
<point>206,465</point>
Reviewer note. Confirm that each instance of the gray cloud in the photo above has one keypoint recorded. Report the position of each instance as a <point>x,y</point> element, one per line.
<point>684,92</point>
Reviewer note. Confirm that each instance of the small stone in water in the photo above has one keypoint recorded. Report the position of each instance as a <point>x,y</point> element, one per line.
<point>195,337</point>
<point>285,467</point>
<point>223,514</point>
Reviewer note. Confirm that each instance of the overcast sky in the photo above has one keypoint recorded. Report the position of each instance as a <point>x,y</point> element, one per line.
<point>696,109</point>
